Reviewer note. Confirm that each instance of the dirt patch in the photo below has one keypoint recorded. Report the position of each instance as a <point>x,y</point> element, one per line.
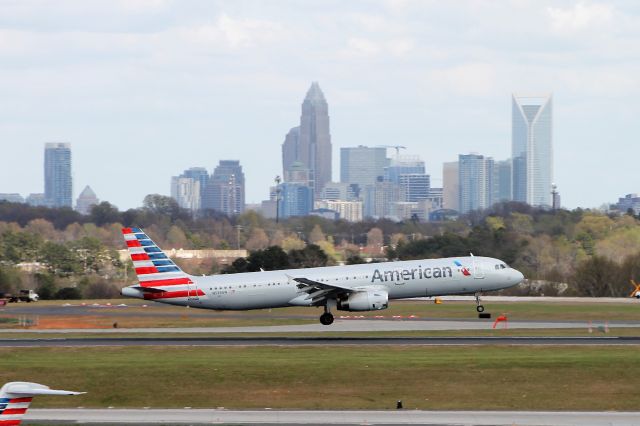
<point>45,323</point>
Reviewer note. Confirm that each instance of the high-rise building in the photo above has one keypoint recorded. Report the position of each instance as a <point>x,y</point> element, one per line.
<point>402,165</point>
<point>362,165</point>
<point>350,211</point>
<point>415,187</point>
<point>310,143</point>
<point>225,189</point>
<point>58,188</point>
<point>532,149</point>
<point>378,198</point>
<point>409,174</point>
<point>188,188</point>
<point>502,175</point>
<point>86,200</point>
<point>186,192</point>
<point>450,186</point>
<point>199,174</point>
<point>298,173</point>
<point>295,199</point>
<point>290,150</point>
<point>340,191</point>
<point>475,175</point>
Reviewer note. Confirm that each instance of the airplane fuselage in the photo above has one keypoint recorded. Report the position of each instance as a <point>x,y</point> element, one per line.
<point>402,279</point>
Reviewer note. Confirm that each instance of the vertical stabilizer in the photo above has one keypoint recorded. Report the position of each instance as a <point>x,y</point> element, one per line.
<point>158,275</point>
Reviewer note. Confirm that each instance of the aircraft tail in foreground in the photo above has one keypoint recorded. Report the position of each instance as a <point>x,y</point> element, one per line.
<point>158,276</point>
<point>15,398</point>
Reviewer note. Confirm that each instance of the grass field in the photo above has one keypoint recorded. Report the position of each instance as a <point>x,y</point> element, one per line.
<point>474,377</point>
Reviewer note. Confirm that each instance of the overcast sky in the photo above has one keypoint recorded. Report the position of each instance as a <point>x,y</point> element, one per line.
<point>145,89</point>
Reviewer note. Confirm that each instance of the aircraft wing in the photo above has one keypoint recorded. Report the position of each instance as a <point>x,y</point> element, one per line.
<point>318,291</point>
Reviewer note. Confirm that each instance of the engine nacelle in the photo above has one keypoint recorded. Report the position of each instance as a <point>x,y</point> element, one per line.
<point>365,301</point>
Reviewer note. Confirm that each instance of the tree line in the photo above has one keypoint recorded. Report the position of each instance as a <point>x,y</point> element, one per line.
<point>577,252</point>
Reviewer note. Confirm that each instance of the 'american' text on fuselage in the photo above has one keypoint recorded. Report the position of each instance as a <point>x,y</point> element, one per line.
<point>411,274</point>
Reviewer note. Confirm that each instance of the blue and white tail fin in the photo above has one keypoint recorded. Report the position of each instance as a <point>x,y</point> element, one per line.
<point>158,275</point>
<point>15,398</point>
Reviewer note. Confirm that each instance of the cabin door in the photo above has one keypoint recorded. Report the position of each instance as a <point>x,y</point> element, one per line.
<point>478,272</point>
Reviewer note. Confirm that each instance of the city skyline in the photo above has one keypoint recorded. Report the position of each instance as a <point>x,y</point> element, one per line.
<point>178,85</point>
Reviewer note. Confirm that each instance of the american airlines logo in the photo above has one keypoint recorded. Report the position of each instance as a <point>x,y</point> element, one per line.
<point>465,271</point>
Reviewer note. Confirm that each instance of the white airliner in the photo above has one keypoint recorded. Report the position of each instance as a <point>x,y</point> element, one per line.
<point>15,398</point>
<point>365,287</point>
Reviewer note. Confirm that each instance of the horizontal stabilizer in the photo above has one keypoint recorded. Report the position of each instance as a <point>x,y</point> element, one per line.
<point>32,389</point>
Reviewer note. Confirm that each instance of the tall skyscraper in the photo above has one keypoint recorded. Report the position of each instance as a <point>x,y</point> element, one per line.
<point>475,175</point>
<point>188,188</point>
<point>502,175</point>
<point>290,150</point>
<point>362,165</point>
<point>186,192</point>
<point>296,199</point>
<point>403,165</point>
<point>58,188</point>
<point>311,142</point>
<point>415,187</point>
<point>450,186</point>
<point>532,149</point>
<point>225,190</point>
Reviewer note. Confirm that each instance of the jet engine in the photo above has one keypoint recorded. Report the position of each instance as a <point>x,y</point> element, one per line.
<point>365,301</point>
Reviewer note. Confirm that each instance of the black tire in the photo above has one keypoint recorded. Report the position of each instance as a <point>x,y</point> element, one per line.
<point>480,308</point>
<point>326,319</point>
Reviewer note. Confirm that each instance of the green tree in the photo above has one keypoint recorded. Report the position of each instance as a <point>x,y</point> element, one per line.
<point>104,213</point>
<point>312,256</point>
<point>596,278</point>
<point>60,260</point>
<point>46,286</point>
<point>270,259</point>
<point>10,280</point>
<point>68,293</point>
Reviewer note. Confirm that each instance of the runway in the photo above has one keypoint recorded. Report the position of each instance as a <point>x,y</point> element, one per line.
<point>316,341</point>
<point>406,417</point>
<point>354,325</point>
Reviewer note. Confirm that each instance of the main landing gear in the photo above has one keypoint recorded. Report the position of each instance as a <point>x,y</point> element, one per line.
<point>479,307</point>
<point>327,317</point>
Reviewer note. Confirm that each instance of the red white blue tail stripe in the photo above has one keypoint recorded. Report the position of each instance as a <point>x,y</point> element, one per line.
<point>156,272</point>
<point>12,410</point>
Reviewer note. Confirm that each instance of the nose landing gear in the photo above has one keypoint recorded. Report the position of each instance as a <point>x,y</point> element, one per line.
<point>479,307</point>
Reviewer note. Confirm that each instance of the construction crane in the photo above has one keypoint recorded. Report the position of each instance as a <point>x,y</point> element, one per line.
<point>396,147</point>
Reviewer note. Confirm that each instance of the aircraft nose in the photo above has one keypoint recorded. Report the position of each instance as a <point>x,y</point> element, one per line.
<point>517,276</point>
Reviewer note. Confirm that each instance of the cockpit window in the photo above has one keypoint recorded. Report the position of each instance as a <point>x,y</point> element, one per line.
<point>503,266</point>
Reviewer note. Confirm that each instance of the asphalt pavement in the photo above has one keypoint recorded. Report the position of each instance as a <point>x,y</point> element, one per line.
<point>388,417</point>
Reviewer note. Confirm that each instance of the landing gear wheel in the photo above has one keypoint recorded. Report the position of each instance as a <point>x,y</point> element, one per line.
<point>326,318</point>
<point>480,308</point>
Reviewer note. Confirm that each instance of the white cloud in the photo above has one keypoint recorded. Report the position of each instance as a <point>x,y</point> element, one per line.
<point>363,47</point>
<point>234,33</point>
<point>581,17</point>
<point>469,79</point>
